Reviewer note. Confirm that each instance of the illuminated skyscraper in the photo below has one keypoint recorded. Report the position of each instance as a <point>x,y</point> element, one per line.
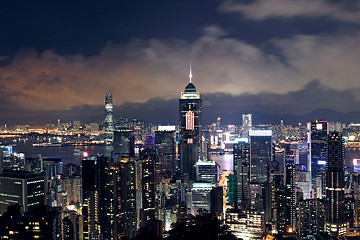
<point>317,137</point>
<point>247,124</point>
<point>242,170</point>
<point>190,130</point>
<point>94,196</point>
<point>290,188</point>
<point>261,155</point>
<point>109,122</point>
<point>335,224</point>
<point>165,146</point>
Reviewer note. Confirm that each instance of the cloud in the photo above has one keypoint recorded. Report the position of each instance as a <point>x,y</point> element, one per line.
<point>157,68</point>
<point>312,101</point>
<point>345,11</point>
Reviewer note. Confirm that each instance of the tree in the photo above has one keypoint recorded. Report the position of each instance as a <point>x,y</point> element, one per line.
<point>205,226</point>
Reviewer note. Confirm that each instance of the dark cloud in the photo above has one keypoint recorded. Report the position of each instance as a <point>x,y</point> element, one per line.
<point>263,9</point>
<point>313,101</point>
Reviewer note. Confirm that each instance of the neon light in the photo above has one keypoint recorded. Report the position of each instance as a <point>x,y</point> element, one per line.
<point>85,154</point>
<point>321,162</point>
<point>189,120</point>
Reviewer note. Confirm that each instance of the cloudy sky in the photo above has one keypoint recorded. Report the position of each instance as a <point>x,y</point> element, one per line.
<point>267,57</point>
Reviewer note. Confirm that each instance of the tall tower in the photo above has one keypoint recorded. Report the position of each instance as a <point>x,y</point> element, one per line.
<point>335,224</point>
<point>247,124</point>
<point>242,163</point>
<point>290,188</point>
<point>109,122</point>
<point>261,155</point>
<point>94,196</point>
<point>190,130</point>
<point>317,137</point>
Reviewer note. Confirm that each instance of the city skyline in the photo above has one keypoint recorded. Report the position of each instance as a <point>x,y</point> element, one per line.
<point>275,59</point>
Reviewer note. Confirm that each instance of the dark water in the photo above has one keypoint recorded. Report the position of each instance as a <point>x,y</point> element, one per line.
<point>69,154</point>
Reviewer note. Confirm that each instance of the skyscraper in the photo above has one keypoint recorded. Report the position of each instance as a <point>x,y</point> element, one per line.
<point>124,143</point>
<point>109,122</point>
<point>261,155</point>
<point>94,196</point>
<point>247,124</point>
<point>335,224</point>
<point>165,151</point>
<point>242,170</point>
<point>24,188</point>
<point>290,188</point>
<point>190,130</point>
<point>317,137</point>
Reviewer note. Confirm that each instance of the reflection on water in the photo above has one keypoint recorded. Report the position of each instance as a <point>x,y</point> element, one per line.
<point>225,161</point>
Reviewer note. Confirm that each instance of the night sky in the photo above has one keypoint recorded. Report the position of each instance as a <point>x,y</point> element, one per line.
<point>278,59</point>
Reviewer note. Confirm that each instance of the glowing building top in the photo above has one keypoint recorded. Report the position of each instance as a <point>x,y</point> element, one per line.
<point>190,91</point>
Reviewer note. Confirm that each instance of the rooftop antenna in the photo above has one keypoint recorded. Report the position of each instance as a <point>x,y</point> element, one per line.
<point>190,74</point>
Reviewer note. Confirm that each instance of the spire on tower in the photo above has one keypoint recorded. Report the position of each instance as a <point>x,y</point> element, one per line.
<point>190,75</point>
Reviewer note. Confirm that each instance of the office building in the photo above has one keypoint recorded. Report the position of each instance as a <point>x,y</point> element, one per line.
<point>207,171</point>
<point>94,196</point>
<point>190,130</point>
<point>290,208</point>
<point>261,155</point>
<point>317,137</point>
<point>147,188</point>
<point>23,188</point>
<point>109,122</point>
<point>247,124</point>
<point>165,147</point>
<point>242,171</point>
<point>201,197</point>
<point>124,144</point>
<point>336,224</point>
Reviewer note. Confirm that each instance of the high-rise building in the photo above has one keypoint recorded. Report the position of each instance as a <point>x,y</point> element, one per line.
<point>165,147</point>
<point>190,130</point>
<point>242,170</point>
<point>122,207</point>
<point>23,188</point>
<point>94,196</point>
<point>200,197</point>
<point>207,171</point>
<point>311,217</point>
<point>147,157</point>
<point>335,224</point>
<point>261,155</point>
<point>124,143</point>
<point>317,137</point>
<point>42,223</point>
<point>247,124</point>
<point>290,208</point>
<point>109,122</point>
